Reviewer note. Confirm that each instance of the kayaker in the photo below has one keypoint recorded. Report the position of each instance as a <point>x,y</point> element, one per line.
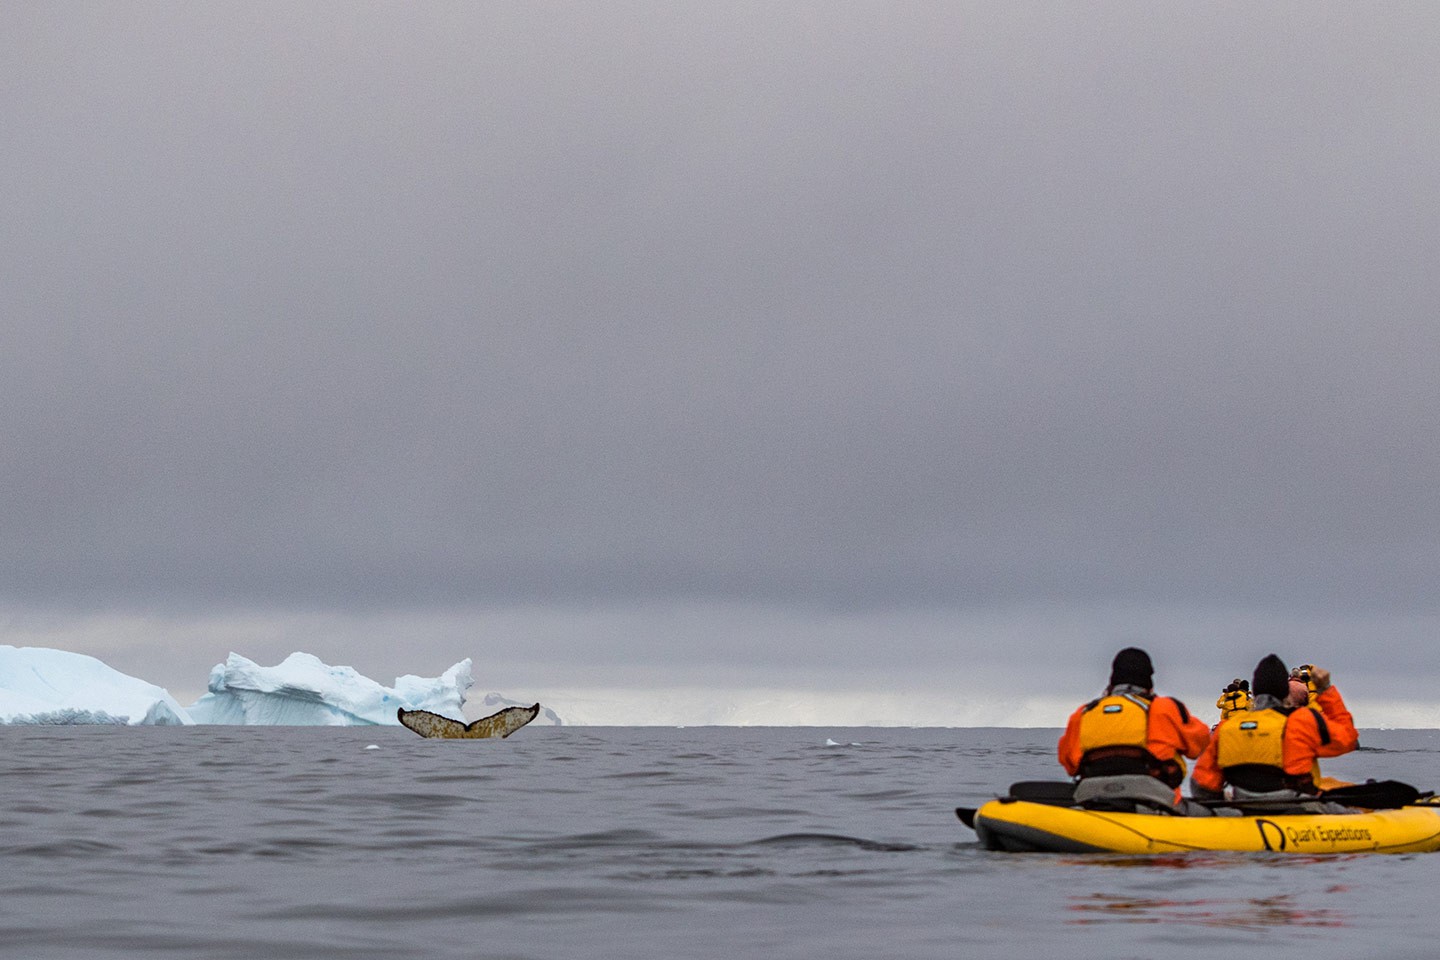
<point>1305,674</point>
<point>1299,695</point>
<point>1302,694</point>
<point>1270,752</point>
<point>1131,744</point>
<point>1234,698</point>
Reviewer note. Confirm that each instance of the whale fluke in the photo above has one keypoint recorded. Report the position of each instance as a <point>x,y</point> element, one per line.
<point>500,724</point>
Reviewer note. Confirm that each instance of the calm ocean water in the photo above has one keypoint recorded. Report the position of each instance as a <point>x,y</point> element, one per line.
<point>629,842</point>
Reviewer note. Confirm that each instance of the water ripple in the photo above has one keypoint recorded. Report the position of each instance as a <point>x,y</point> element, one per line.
<point>637,842</point>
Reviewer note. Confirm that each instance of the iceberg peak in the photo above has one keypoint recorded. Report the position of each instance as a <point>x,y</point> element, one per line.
<point>303,690</point>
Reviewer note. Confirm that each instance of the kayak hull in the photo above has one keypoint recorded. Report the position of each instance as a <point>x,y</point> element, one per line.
<point>1022,827</point>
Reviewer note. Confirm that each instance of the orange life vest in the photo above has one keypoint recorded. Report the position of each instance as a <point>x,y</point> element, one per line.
<point>1114,739</point>
<point>1257,738</point>
<point>1250,751</point>
<point>1119,720</point>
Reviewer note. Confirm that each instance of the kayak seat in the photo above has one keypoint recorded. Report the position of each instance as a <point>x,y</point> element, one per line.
<point>1125,793</point>
<point>1257,803</point>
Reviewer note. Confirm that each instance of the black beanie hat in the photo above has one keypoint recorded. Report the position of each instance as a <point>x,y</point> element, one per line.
<point>1132,665</point>
<point>1271,677</point>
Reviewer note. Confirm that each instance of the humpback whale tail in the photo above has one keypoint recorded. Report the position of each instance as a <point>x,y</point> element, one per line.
<point>500,724</point>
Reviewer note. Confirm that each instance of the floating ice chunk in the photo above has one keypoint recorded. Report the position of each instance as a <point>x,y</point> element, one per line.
<point>372,746</point>
<point>304,691</point>
<point>43,686</point>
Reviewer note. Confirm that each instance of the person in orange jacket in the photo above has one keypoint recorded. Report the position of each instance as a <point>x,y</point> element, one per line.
<point>1305,674</point>
<point>1272,750</point>
<point>1130,730</point>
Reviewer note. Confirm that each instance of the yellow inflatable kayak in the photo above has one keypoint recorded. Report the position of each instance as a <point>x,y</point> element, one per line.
<point>1022,826</point>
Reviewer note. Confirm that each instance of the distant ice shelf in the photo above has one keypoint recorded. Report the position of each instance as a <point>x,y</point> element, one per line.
<point>43,686</point>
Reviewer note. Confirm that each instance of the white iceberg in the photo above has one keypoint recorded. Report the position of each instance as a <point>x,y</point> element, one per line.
<point>43,686</point>
<point>304,691</point>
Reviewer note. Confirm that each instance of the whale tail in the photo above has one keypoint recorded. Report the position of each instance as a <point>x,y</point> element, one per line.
<point>500,724</point>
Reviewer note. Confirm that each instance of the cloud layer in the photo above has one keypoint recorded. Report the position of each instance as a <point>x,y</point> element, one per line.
<point>874,311</point>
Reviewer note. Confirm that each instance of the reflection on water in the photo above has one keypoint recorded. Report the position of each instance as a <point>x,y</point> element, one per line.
<point>1251,913</point>
<point>1210,860</point>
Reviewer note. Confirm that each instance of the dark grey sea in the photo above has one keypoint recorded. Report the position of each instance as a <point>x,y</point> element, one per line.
<point>637,843</point>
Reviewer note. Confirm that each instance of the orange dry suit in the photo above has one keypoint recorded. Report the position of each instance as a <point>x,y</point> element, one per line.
<point>1273,747</point>
<point>1131,731</point>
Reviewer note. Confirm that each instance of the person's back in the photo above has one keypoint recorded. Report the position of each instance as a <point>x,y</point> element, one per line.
<point>1235,698</point>
<point>1130,732</point>
<point>1270,751</point>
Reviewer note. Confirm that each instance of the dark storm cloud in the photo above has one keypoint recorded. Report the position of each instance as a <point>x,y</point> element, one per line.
<point>857,306</point>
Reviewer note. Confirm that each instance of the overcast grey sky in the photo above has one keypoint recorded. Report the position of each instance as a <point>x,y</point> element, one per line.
<point>901,346</point>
